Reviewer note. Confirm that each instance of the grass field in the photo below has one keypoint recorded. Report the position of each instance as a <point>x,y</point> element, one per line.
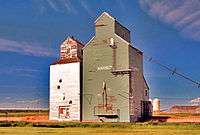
<point>100,129</point>
<point>166,130</point>
<point>73,128</point>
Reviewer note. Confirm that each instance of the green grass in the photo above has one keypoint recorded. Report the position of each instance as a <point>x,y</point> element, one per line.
<point>137,130</point>
<point>56,128</point>
<point>149,124</point>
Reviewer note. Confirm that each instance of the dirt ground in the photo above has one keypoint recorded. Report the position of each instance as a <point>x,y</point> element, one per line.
<point>188,119</point>
<point>192,119</point>
<point>177,117</point>
<point>160,118</point>
<point>26,118</point>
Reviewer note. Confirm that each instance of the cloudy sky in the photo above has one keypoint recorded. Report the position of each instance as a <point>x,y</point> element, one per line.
<point>31,31</point>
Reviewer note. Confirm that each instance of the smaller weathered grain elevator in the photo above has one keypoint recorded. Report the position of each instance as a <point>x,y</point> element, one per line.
<point>66,82</point>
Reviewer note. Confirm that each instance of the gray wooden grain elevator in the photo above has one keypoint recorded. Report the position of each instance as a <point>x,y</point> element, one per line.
<point>114,87</point>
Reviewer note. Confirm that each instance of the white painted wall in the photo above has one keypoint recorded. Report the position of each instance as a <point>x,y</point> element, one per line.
<point>69,90</point>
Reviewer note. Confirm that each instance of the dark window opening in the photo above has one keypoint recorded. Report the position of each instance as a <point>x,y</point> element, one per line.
<point>73,47</point>
<point>68,50</point>
<point>146,92</point>
<point>70,102</point>
<point>60,80</point>
<point>58,87</point>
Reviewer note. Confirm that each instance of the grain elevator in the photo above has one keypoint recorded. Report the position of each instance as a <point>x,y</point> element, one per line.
<point>66,82</point>
<point>101,81</point>
<point>114,88</point>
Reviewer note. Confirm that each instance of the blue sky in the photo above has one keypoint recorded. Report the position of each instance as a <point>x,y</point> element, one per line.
<point>31,31</point>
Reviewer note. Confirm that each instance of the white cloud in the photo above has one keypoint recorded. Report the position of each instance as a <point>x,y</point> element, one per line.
<point>70,8</point>
<point>28,101</point>
<point>196,100</point>
<point>62,6</point>
<point>53,5</point>
<point>84,4</point>
<point>25,72</point>
<point>24,48</point>
<point>184,15</point>
<point>7,98</point>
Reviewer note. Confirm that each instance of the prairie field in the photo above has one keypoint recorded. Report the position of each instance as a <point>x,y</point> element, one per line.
<point>42,116</point>
<point>99,129</point>
<point>37,123</point>
<point>164,130</point>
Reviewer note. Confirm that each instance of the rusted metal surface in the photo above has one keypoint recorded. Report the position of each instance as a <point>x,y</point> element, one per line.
<point>65,61</point>
<point>71,48</point>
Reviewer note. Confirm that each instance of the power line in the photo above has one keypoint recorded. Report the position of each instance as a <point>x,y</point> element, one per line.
<point>173,71</point>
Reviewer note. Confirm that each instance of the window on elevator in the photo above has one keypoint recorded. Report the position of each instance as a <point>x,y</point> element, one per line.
<point>70,102</point>
<point>60,80</point>
<point>146,92</point>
